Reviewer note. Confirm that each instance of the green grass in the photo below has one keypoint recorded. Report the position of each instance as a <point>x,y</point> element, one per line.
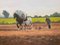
<point>7,20</point>
<point>38,20</point>
<point>42,20</point>
<point>53,19</point>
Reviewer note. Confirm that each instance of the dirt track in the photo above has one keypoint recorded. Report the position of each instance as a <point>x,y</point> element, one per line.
<point>12,30</point>
<point>55,26</point>
<point>43,36</point>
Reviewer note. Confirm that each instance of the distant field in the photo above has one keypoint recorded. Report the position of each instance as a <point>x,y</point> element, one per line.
<point>53,19</point>
<point>41,20</point>
<point>7,21</point>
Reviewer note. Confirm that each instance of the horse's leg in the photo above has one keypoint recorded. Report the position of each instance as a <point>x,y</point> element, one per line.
<point>21,27</point>
<point>17,26</point>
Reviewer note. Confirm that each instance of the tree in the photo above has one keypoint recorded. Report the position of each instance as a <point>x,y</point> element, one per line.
<point>36,16</point>
<point>40,16</point>
<point>56,14</point>
<point>5,13</point>
<point>29,16</point>
<point>46,16</point>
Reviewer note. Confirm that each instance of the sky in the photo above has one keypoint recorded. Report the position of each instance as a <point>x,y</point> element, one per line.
<point>30,7</point>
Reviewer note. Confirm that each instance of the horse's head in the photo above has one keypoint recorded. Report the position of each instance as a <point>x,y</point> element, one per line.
<point>20,15</point>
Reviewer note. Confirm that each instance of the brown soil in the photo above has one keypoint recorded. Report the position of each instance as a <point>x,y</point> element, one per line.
<point>43,36</point>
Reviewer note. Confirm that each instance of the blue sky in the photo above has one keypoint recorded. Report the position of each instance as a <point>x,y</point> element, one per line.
<point>31,7</point>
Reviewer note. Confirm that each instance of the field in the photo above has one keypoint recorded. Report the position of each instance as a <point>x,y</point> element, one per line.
<point>7,21</point>
<point>9,35</point>
<point>41,20</point>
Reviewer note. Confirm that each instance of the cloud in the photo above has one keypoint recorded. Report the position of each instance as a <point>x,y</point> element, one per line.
<point>32,7</point>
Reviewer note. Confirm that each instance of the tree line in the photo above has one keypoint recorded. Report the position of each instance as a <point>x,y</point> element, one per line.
<point>55,14</point>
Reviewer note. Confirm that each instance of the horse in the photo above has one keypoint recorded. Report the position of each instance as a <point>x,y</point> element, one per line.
<point>22,20</point>
<point>28,23</point>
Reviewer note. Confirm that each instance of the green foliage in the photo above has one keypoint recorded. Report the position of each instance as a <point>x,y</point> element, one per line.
<point>40,20</point>
<point>56,14</point>
<point>7,21</point>
<point>46,16</point>
<point>55,19</point>
<point>5,13</point>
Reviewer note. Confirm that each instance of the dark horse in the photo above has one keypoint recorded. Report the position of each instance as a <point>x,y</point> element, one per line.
<point>20,18</point>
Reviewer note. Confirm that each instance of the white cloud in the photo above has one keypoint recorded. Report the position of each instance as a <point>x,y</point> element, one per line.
<point>32,7</point>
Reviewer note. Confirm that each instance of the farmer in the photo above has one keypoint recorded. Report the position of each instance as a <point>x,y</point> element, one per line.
<point>48,22</point>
